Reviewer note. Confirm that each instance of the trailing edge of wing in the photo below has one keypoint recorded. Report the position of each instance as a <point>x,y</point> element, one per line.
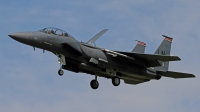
<point>97,36</point>
<point>175,74</point>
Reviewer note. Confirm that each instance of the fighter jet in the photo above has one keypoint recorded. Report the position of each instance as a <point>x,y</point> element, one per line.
<point>133,67</point>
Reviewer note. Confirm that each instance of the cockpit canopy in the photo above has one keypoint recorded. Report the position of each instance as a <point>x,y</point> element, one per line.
<point>55,31</point>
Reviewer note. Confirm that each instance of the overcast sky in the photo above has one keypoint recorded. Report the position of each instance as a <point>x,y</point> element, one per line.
<point>29,81</point>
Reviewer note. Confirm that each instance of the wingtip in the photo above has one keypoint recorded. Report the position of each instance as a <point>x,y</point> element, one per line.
<point>191,76</point>
<point>177,58</point>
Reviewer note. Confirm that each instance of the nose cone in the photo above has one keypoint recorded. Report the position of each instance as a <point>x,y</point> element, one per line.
<point>23,37</point>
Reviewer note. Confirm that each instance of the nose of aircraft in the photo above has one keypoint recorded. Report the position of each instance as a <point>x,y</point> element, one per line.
<point>23,37</point>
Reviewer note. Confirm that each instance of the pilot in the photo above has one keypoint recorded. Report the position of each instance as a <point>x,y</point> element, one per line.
<point>52,32</point>
<point>49,31</point>
<point>65,34</point>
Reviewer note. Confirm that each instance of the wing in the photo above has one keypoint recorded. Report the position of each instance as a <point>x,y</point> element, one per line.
<point>148,60</point>
<point>175,74</point>
<point>151,57</point>
<point>97,36</point>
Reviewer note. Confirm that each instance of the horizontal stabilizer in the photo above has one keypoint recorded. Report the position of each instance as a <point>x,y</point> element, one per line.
<point>97,36</point>
<point>175,74</point>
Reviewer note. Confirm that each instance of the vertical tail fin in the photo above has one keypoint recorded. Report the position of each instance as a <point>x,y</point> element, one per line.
<point>164,49</point>
<point>140,47</point>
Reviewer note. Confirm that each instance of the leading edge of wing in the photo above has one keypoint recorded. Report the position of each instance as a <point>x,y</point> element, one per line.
<point>151,57</point>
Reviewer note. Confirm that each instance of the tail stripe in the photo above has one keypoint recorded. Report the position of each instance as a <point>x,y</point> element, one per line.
<point>168,39</point>
<point>142,43</point>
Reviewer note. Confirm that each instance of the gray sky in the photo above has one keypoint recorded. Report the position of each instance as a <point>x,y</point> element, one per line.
<point>29,79</point>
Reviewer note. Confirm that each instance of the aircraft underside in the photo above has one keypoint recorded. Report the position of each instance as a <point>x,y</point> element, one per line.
<point>103,71</point>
